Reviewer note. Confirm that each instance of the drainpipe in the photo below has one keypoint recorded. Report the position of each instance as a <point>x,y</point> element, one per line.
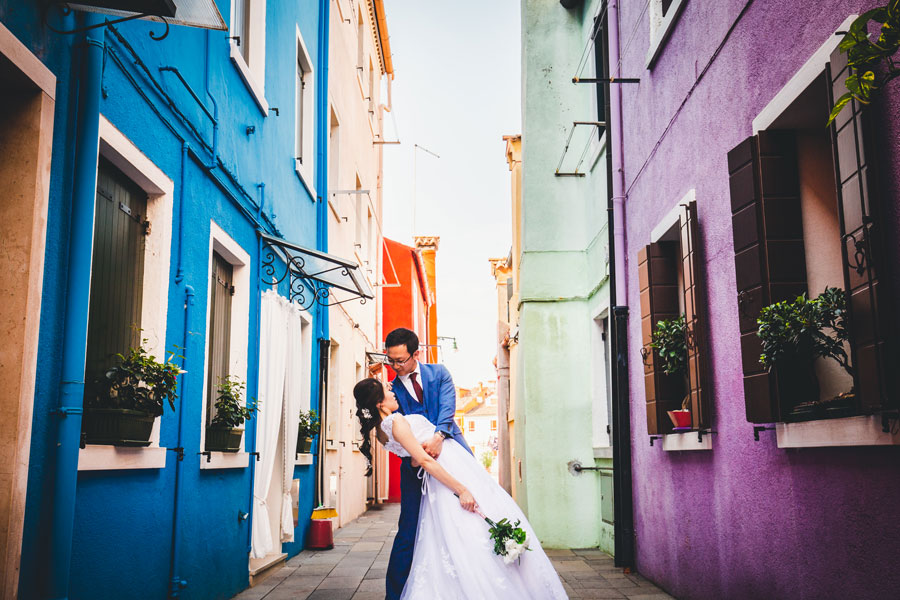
<point>179,271</point>
<point>322,235</point>
<point>248,442</point>
<point>623,500</point>
<point>176,583</point>
<point>78,286</point>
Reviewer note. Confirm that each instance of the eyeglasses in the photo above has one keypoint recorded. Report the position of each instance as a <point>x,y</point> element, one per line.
<point>395,362</point>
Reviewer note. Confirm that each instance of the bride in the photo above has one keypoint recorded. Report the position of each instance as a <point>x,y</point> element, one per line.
<point>454,557</point>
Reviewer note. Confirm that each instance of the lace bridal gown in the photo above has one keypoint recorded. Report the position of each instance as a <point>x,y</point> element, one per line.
<point>453,557</point>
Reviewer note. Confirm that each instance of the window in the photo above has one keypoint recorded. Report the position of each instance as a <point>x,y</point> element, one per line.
<point>221,290</point>
<point>459,422</point>
<point>663,15</point>
<point>601,400</point>
<point>796,231</point>
<point>360,46</point>
<point>130,277</point>
<point>670,281</point>
<point>305,116</point>
<point>117,271</point>
<point>248,47</point>
<point>471,426</point>
<point>227,332</point>
<point>493,424</point>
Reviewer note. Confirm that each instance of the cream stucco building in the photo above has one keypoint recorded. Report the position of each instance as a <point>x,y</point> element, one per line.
<point>360,68</point>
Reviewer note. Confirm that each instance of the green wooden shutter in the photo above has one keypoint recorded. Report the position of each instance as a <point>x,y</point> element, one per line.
<point>862,251</point>
<point>117,270</point>
<point>221,290</point>
<point>695,316</point>
<point>658,280</point>
<point>769,256</point>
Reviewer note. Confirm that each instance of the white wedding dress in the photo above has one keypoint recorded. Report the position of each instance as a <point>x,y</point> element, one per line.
<point>454,557</point>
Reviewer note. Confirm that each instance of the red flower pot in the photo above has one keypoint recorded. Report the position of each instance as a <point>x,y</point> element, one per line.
<point>680,418</point>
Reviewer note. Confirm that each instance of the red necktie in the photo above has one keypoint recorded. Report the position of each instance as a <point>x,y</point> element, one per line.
<point>418,388</point>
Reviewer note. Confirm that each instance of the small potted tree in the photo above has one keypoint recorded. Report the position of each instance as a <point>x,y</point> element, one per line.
<point>794,335</point>
<point>668,339</point>
<point>308,428</point>
<point>121,406</point>
<point>224,432</point>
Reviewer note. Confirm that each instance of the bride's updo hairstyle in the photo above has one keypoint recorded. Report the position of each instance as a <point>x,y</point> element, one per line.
<point>368,393</point>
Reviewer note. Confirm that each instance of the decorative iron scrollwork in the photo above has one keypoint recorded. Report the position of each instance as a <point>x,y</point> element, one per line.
<point>859,260</point>
<point>645,353</point>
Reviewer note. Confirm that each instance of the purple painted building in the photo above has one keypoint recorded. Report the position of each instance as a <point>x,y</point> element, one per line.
<point>732,203</point>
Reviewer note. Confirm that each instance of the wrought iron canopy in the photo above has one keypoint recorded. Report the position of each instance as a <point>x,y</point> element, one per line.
<point>193,13</point>
<point>311,275</point>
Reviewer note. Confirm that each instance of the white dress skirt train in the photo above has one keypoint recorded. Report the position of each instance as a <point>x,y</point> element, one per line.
<point>454,557</point>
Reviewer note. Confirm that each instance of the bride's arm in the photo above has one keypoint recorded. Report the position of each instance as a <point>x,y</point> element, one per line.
<point>404,436</point>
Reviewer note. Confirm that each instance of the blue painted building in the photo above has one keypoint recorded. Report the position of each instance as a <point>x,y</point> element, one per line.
<point>213,142</point>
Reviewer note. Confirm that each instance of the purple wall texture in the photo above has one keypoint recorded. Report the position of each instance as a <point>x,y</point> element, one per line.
<point>746,519</point>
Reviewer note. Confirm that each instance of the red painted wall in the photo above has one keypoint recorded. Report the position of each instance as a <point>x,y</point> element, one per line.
<point>402,307</point>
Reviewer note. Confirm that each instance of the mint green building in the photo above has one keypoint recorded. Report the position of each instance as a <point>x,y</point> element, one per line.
<point>560,376</point>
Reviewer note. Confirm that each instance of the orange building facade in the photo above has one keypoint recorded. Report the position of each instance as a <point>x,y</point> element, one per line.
<point>408,301</point>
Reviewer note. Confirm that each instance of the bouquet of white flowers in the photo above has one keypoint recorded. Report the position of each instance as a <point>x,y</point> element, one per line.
<point>510,540</point>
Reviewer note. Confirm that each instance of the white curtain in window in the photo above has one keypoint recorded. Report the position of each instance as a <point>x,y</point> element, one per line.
<point>296,387</point>
<point>273,350</point>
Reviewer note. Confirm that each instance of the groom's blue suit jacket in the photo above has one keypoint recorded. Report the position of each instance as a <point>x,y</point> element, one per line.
<point>440,400</point>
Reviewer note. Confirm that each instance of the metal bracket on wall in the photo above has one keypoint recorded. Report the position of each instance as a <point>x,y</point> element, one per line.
<point>655,437</point>
<point>575,125</point>
<point>207,454</point>
<point>65,10</point>
<point>605,80</point>
<point>700,433</point>
<point>178,450</point>
<point>256,454</point>
<point>759,428</point>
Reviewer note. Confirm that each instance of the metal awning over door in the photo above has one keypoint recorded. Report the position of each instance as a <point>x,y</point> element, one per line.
<point>312,276</point>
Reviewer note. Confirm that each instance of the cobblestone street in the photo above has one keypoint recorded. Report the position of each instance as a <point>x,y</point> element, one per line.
<point>355,568</point>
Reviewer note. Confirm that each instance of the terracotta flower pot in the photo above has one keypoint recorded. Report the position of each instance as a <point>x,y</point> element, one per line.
<point>680,418</point>
<point>304,445</point>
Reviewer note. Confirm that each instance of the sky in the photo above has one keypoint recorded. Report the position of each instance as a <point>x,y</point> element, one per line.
<point>456,92</point>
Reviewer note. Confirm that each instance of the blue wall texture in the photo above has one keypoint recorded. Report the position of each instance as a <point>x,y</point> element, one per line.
<point>124,519</point>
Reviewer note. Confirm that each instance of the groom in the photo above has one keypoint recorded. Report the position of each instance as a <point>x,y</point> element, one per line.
<point>421,389</point>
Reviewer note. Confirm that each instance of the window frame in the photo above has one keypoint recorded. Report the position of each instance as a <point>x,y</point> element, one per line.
<point>305,133</point>
<point>125,155</point>
<point>224,245</point>
<point>252,73</point>
<point>661,26</point>
<point>858,430</point>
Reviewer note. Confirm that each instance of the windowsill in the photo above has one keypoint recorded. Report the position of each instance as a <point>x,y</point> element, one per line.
<point>849,431</point>
<point>665,28</point>
<point>603,452</point>
<point>256,91</point>
<point>303,458</point>
<point>304,179</point>
<point>110,458</point>
<point>677,442</point>
<point>225,460</point>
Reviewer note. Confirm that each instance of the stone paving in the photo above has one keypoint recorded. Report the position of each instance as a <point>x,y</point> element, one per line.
<point>355,568</point>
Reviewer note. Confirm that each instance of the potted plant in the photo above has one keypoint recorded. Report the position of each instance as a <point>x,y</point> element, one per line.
<point>224,432</point>
<point>120,407</point>
<point>308,428</point>
<point>794,335</point>
<point>668,339</point>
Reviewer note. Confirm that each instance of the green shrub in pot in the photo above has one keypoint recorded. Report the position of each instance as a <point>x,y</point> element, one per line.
<point>795,334</point>
<point>308,428</point>
<point>120,406</point>
<point>669,340</point>
<point>224,432</point>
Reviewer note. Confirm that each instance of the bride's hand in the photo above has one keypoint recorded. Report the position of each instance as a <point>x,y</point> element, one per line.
<point>467,501</point>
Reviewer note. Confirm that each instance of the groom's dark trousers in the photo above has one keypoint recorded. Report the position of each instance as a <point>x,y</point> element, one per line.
<point>439,408</point>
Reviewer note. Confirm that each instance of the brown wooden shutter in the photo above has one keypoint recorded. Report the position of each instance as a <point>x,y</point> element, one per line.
<point>658,277</point>
<point>220,293</point>
<point>695,315</point>
<point>117,270</point>
<point>769,257</point>
<point>861,246</point>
